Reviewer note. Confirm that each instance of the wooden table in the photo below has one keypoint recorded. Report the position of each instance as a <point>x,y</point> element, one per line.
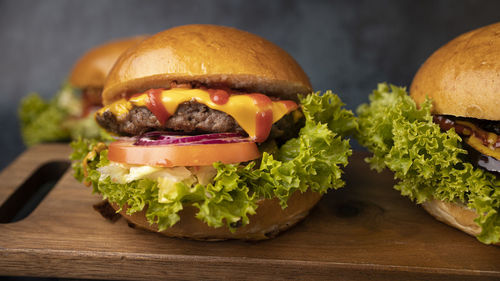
<point>366,230</point>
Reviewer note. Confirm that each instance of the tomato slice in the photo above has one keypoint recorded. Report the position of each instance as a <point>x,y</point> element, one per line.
<point>182,155</point>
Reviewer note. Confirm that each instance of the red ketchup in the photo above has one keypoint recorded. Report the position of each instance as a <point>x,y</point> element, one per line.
<point>264,117</point>
<point>218,96</point>
<point>155,105</point>
<point>290,105</point>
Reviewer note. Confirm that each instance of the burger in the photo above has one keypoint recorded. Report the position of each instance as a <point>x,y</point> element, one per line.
<point>443,140</point>
<point>69,114</point>
<point>217,136</point>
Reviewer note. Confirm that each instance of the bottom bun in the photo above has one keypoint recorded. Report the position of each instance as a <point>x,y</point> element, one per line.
<point>453,214</point>
<point>269,220</point>
<point>456,215</point>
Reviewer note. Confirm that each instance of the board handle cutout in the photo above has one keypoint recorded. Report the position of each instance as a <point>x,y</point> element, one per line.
<point>32,191</point>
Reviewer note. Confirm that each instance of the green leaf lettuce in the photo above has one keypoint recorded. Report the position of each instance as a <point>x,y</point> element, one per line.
<point>55,120</point>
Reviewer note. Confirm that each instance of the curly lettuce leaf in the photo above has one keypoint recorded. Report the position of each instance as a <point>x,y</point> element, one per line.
<point>313,160</point>
<point>55,120</point>
<point>81,149</point>
<point>40,121</point>
<point>427,162</point>
<point>327,109</point>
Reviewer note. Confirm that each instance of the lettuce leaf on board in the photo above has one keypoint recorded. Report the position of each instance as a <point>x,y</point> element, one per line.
<point>313,160</point>
<point>427,162</point>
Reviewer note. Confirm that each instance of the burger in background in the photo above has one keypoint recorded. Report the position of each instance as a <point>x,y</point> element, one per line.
<point>69,114</point>
<point>218,136</point>
<point>443,142</point>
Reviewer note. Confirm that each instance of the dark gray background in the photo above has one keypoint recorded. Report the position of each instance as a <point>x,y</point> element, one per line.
<point>346,46</point>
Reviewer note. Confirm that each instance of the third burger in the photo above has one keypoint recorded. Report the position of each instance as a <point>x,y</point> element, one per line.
<point>443,141</point>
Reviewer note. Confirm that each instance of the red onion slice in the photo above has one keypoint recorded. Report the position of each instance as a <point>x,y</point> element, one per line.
<point>166,138</point>
<point>218,141</point>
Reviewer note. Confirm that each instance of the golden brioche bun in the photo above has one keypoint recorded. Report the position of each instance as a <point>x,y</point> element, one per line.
<point>269,220</point>
<point>93,67</point>
<point>207,54</point>
<point>453,214</point>
<point>463,77</point>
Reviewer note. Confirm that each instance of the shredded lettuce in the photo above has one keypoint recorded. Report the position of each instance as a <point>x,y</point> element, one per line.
<point>427,162</point>
<point>50,121</point>
<point>311,161</point>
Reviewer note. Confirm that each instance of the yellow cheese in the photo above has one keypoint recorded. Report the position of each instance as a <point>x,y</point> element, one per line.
<point>242,107</point>
<point>478,145</point>
<point>119,108</point>
<point>467,125</point>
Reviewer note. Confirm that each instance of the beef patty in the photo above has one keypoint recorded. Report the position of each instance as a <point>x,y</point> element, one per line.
<point>190,117</point>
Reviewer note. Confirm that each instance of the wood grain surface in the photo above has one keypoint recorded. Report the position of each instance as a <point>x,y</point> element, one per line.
<point>365,230</point>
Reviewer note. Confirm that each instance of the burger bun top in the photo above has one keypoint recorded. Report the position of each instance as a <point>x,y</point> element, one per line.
<point>207,54</point>
<point>93,67</point>
<point>462,78</point>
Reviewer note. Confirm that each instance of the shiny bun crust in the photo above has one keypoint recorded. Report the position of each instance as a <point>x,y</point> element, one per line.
<point>269,220</point>
<point>455,215</point>
<point>207,54</point>
<point>463,77</point>
<point>93,67</point>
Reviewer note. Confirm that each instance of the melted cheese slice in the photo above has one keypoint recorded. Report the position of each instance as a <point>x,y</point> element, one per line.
<point>478,144</point>
<point>242,107</point>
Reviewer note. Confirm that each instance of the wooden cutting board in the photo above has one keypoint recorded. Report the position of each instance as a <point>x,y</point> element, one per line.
<point>365,230</point>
